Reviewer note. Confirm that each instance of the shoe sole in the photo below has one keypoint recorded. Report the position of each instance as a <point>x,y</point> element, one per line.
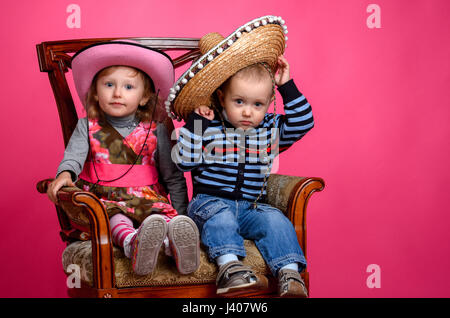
<point>185,244</point>
<point>150,238</point>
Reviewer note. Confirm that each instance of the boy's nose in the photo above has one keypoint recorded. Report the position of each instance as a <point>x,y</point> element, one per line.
<point>246,112</point>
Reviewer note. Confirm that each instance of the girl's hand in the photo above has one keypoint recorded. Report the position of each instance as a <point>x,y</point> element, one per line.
<point>64,179</point>
<point>205,111</point>
<point>282,75</point>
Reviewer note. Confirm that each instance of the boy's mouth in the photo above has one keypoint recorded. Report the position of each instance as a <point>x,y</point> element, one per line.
<point>245,123</point>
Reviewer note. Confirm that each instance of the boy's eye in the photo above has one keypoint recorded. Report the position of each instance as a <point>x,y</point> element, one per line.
<point>239,101</point>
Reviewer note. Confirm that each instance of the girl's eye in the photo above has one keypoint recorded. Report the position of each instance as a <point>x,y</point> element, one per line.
<point>109,84</point>
<point>239,101</point>
<point>128,86</point>
<point>258,104</point>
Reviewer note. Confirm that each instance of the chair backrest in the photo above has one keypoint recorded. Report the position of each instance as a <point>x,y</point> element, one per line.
<point>55,59</point>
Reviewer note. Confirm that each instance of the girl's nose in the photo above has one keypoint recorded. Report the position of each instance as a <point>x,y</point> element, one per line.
<point>117,92</point>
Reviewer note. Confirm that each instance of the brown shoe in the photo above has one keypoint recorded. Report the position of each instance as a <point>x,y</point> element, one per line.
<point>184,243</point>
<point>291,284</point>
<point>235,279</point>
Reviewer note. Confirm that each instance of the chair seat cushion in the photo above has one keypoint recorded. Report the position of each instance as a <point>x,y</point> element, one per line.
<point>165,272</point>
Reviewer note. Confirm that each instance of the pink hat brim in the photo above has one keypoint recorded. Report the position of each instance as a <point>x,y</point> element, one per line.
<point>89,61</point>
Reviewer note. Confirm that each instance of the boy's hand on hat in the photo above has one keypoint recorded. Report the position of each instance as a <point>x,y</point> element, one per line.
<point>283,74</point>
<point>205,111</point>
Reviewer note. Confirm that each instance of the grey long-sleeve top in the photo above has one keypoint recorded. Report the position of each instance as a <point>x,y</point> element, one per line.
<point>169,176</point>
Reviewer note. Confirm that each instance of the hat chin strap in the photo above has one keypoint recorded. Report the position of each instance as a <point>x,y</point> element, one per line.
<point>224,114</point>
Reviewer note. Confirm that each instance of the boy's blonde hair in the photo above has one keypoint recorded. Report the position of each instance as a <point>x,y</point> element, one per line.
<point>144,113</point>
<point>255,71</point>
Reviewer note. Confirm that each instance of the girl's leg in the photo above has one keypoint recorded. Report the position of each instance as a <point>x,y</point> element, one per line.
<point>142,245</point>
<point>184,243</point>
<point>145,245</point>
<point>122,231</point>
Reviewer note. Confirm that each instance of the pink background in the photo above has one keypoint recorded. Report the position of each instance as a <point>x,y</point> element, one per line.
<point>381,104</point>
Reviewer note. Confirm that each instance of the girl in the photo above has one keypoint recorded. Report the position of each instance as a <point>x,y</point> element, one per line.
<point>121,153</point>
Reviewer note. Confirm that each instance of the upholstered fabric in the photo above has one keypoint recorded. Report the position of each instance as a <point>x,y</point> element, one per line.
<point>165,273</point>
<point>80,252</point>
<point>279,188</point>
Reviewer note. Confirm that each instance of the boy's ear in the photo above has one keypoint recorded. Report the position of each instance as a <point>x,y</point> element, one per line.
<point>220,96</point>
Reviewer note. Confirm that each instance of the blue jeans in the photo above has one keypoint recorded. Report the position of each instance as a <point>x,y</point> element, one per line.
<point>224,224</point>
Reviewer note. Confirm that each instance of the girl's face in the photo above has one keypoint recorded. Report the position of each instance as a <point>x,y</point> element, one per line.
<point>120,91</point>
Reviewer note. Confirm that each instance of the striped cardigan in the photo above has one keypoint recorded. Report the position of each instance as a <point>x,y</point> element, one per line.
<point>232,165</point>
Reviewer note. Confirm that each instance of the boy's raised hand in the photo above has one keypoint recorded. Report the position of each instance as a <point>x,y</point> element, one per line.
<point>205,111</point>
<point>283,74</point>
<point>64,179</point>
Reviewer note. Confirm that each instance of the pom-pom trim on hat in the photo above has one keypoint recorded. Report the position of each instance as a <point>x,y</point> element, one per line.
<point>209,57</point>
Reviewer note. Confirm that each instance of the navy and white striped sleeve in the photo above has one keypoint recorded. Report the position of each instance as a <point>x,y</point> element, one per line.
<point>298,118</point>
<point>187,154</point>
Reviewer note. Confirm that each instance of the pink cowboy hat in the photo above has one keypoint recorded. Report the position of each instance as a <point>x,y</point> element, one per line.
<point>90,60</point>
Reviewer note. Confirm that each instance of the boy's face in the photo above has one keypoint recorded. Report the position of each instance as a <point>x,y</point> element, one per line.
<point>246,100</point>
<point>120,91</point>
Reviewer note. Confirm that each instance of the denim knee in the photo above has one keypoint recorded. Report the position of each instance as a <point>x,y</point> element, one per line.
<point>274,236</point>
<point>217,223</point>
<point>202,207</point>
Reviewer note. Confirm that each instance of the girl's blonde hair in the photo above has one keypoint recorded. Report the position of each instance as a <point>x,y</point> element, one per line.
<point>144,113</point>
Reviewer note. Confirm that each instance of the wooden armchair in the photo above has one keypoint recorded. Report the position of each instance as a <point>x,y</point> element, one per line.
<point>104,270</point>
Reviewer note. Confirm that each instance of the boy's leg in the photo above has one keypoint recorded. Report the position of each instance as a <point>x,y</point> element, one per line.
<point>216,220</point>
<point>276,239</point>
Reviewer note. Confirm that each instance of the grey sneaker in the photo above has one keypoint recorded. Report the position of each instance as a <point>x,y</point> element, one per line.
<point>184,243</point>
<point>291,284</point>
<point>234,279</point>
<point>147,243</point>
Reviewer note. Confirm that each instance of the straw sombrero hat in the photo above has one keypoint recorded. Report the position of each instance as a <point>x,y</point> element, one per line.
<point>260,40</point>
<point>90,60</point>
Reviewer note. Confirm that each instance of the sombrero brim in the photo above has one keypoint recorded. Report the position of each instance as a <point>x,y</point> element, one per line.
<point>87,62</point>
<point>260,40</point>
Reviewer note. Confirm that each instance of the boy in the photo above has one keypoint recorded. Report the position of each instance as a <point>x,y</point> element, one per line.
<point>229,148</point>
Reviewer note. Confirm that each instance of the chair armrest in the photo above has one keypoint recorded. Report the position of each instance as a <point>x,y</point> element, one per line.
<point>291,194</point>
<point>83,210</point>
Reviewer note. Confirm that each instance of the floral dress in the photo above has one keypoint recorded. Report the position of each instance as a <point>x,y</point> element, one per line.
<point>109,150</point>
